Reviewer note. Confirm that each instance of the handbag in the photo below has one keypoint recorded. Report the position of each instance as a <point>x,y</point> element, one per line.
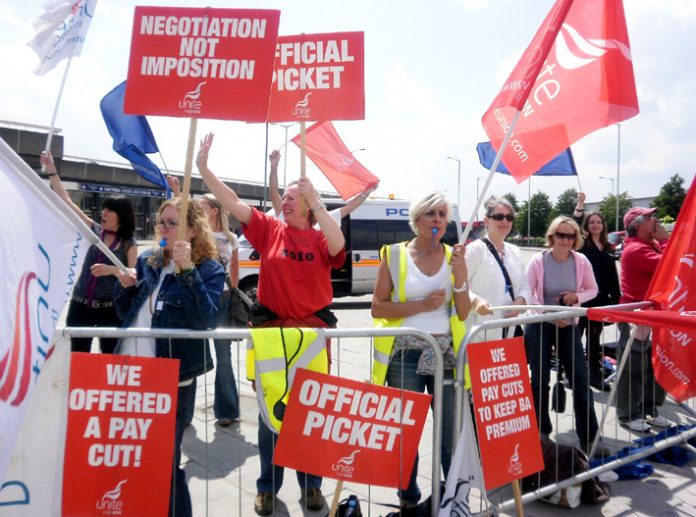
<point>519,331</point>
<point>239,311</point>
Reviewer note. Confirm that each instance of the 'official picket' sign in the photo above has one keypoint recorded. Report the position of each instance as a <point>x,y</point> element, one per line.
<point>354,430</point>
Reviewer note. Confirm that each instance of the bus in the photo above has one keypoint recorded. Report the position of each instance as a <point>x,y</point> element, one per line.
<point>375,222</point>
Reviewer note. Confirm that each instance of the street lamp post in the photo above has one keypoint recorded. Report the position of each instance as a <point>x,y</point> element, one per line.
<point>459,180</point>
<point>617,195</point>
<point>285,152</point>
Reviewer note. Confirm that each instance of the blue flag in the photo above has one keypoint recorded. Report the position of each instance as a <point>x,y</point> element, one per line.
<point>132,136</point>
<point>561,165</point>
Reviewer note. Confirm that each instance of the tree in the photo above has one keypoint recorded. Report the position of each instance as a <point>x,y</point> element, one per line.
<point>607,208</point>
<point>671,198</point>
<point>512,198</point>
<point>540,215</point>
<point>566,202</point>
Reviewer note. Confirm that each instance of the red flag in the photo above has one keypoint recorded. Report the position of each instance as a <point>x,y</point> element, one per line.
<point>328,152</point>
<point>674,288</point>
<point>676,321</point>
<point>575,77</point>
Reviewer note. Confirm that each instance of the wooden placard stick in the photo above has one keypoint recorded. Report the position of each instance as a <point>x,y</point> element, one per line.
<point>187,183</point>
<point>303,157</point>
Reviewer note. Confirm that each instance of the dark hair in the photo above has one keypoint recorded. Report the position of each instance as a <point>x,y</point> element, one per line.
<point>603,239</point>
<point>123,208</point>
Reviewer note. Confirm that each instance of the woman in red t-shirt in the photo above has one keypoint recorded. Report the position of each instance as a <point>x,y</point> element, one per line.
<point>294,288</point>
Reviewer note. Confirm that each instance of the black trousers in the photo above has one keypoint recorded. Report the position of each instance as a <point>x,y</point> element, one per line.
<point>80,315</point>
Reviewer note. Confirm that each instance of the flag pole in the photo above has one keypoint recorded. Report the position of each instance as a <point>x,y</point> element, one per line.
<point>494,167</point>
<point>618,170</point>
<point>303,157</point>
<point>51,130</point>
<point>265,173</point>
<point>187,182</point>
<point>529,210</point>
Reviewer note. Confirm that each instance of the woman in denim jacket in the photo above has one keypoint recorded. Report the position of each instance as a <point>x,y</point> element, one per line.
<point>157,297</point>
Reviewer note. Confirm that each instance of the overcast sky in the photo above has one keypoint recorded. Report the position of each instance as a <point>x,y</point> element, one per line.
<point>431,70</point>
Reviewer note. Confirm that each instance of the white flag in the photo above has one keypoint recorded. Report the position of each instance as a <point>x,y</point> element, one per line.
<point>61,31</point>
<point>464,474</point>
<point>41,254</point>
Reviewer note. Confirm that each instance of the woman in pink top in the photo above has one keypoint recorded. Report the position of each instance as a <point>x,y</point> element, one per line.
<point>561,276</point>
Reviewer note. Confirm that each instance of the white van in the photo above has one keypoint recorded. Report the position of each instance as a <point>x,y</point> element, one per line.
<point>375,222</point>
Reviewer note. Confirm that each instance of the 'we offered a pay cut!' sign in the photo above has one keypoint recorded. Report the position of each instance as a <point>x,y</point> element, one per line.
<point>354,430</point>
<point>119,443</point>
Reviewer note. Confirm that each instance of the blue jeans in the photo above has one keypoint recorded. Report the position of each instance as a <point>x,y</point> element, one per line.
<point>539,339</point>
<point>402,374</point>
<point>226,403</point>
<point>180,498</point>
<point>271,478</point>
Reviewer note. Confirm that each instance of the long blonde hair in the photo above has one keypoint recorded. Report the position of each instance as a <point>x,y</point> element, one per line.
<point>222,220</point>
<point>202,244</point>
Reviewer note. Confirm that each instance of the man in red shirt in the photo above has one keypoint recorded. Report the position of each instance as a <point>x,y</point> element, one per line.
<point>638,395</point>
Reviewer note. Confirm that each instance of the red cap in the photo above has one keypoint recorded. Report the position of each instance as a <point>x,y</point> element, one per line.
<point>635,212</point>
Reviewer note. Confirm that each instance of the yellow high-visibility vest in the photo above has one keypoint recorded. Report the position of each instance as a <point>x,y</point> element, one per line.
<point>384,345</point>
<point>273,356</point>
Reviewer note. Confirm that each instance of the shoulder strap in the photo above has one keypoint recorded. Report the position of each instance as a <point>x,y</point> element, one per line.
<point>494,252</point>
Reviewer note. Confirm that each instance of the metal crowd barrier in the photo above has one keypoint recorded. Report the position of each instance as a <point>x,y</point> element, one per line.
<point>504,502</point>
<point>338,369</point>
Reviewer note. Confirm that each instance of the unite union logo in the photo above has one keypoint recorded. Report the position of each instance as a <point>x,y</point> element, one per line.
<point>584,51</point>
<point>110,503</point>
<point>514,465</point>
<point>340,161</point>
<point>302,109</point>
<point>191,102</point>
<point>344,466</point>
<point>15,365</point>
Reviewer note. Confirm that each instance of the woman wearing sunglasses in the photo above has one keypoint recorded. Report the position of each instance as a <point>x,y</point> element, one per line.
<point>158,295</point>
<point>496,270</point>
<point>561,276</point>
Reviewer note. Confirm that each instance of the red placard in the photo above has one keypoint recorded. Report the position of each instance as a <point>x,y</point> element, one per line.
<point>505,417</point>
<point>356,431</point>
<point>203,63</point>
<point>319,77</point>
<point>120,438</point>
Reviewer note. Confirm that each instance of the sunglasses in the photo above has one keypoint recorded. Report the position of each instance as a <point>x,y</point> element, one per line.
<point>561,235</point>
<point>499,217</point>
<point>168,224</point>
